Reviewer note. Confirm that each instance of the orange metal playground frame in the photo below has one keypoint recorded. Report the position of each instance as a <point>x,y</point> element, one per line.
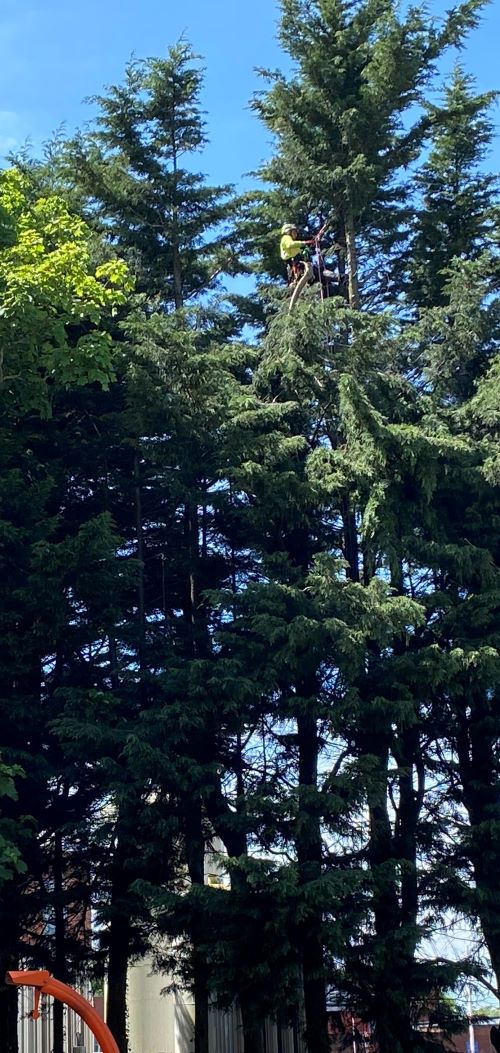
<point>44,983</point>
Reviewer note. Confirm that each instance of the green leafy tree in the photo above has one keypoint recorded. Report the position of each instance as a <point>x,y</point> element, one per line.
<point>268,622</point>
<point>53,337</point>
<point>53,298</point>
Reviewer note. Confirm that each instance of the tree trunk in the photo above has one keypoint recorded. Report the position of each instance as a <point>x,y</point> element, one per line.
<point>192,546</point>
<point>176,258</point>
<point>119,949</point>
<point>309,857</point>
<point>197,644</point>
<point>252,1027</point>
<point>352,257</point>
<point>477,750</point>
<point>141,606</point>
<point>201,1003</point>
<point>60,971</point>
<point>116,1000</point>
<point>178,296</point>
<point>391,989</point>
<point>351,548</point>
<point>406,751</point>
<point>195,849</point>
<point>8,1003</point>
<point>58,1025</point>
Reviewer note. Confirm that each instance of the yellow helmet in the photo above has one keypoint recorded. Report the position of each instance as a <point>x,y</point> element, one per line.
<point>288,227</point>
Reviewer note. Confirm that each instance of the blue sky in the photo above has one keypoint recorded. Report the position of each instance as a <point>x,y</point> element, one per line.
<point>54,53</point>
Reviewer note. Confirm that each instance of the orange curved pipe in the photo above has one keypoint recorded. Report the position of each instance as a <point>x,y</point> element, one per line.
<point>44,983</point>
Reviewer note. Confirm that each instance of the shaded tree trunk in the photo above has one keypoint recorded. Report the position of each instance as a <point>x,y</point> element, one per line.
<point>351,548</point>
<point>60,970</point>
<point>195,849</point>
<point>252,1026</point>
<point>8,998</point>
<point>352,257</point>
<point>309,858</point>
<point>119,950</point>
<point>392,952</point>
<point>176,257</point>
<point>477,750</point>
<point>141,603</point>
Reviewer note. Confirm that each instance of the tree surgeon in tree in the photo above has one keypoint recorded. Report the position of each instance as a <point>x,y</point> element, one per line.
<point>301,269</point>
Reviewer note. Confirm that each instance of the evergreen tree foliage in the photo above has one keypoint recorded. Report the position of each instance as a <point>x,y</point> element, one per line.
<point>155,461</point>
<point>462,558</point>
<point>134,173</point>
<point>151,464</point>
<point>251,593</point>
<point>342,664</point>
<point>343,121</point>
<point>53,338</point>
<point>457,217</point>
<point>379,457</point>
<point>455,264</point>
<point>11,860</point>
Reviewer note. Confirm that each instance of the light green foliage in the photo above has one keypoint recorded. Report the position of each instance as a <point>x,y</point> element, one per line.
<point>53,299</point>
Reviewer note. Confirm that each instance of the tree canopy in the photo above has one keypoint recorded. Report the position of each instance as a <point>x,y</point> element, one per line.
<point>250,557</point>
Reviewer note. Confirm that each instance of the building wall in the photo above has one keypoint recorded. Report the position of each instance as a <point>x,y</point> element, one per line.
<point>153,1018</point>
<point>35,1036</point>
<point>482,1043</point>
<point>164,1023</point>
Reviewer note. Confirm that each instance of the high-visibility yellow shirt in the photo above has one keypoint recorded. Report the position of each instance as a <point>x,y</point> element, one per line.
<point>289,248</point>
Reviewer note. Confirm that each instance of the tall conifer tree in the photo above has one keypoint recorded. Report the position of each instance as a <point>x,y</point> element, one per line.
<point>341,118</point>
<point>136,181</point>
<point>133,171</point>
<point>458,209</point>
<point>342,148</point>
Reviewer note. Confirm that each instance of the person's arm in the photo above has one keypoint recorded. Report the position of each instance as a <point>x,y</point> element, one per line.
<point>290,248</point>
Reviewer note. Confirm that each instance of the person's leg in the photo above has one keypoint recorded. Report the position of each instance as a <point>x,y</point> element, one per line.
<point>301,284</point>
